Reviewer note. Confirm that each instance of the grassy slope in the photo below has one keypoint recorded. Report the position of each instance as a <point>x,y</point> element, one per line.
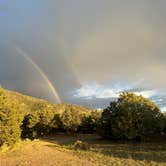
<point>32,102</point>
<point>58,150</point>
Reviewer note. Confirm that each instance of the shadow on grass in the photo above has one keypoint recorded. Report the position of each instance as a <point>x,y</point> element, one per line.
<point>148,152</point>
<point>126,150</point>
<point>64,139</point>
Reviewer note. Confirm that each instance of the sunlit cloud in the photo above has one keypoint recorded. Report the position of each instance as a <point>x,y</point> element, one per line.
<point>95,91</point>
<point>163,109</point>
<point>147,93</point>
<point>90,91</point>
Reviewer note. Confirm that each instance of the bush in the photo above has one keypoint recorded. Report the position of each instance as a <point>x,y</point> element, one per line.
<point>11,116</point>
<point>71,120</point>
<point>80,145</point>
<point>56,123</point>
<point>131,117</point>
<point>89,122</point>
<point>47,121</point>
<point>37,123</point>
<point>29,126</point>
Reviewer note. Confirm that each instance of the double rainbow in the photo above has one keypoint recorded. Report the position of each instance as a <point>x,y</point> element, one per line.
<point>41,72</point>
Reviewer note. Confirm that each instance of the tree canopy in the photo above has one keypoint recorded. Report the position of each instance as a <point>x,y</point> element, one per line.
<point>131,117</point>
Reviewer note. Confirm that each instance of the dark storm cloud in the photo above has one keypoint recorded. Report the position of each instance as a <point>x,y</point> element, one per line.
<point>129,43</point>
<point>80,42</point>
<point>32,28</point>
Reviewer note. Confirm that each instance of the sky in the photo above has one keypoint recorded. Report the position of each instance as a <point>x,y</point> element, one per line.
<point>84,51</point>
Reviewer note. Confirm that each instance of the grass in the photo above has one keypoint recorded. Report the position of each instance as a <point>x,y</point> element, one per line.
<point>60,150</point>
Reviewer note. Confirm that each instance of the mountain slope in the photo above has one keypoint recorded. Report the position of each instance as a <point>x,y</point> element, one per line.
<point>33,103</point>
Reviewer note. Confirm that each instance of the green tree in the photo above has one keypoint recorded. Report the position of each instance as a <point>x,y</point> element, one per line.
<point>56,123</point>
<point>11,116</point>
<point>131,117</point>
<point>29,126</point>
<point>71,120</point>
<point>37,123</point>
<point>90,121</point>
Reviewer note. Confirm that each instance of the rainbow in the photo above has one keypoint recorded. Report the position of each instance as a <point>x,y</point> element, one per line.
<point>41,72</point>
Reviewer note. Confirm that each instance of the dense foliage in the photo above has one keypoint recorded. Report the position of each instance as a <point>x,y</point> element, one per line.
<point>47,121</point>
<point>11,117</point>
<point>29,117</point>
<point>131,117</point>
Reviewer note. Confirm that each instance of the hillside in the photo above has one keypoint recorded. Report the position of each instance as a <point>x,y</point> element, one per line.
<point>23,116</point>
<point>33,103</point>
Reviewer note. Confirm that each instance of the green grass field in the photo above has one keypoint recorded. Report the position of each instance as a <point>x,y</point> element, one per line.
<point>59,150</point>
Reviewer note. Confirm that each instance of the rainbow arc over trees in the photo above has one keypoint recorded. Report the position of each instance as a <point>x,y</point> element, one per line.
<point>41,72</point>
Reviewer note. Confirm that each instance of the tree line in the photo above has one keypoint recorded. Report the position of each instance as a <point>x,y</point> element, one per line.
<point>130,117</point>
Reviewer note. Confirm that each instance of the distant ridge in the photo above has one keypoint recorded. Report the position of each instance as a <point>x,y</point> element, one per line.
<point>33,102</point>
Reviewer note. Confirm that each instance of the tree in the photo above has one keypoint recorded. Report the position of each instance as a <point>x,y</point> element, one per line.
<point>29,126</point>
<point>11,116</point>
<point>131,117</point>
<point>37,123</point>
<point>71,120</point>
<point>56,123</point>
<point>90,121</point>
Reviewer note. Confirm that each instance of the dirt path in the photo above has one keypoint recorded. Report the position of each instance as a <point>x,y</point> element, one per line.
<point>40,153</point>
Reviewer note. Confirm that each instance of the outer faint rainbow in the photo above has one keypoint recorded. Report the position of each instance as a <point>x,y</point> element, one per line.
<point>44,76</point>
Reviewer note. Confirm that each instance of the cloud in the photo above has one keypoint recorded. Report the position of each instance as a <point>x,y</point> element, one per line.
<point>163,109</point>
<point>147,93</point>
<point>111,42</point>
<point>125,44</point>
<point>97,91</point>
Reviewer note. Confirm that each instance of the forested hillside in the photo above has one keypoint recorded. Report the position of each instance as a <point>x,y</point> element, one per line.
<point>74,129</point>
<point>29,117</point>
<point>131,117</point>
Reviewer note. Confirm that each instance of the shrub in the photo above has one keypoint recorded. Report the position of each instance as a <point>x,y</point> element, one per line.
<point>131,117</point>
<point>11,116</point>
<point>29,126</point>
<point>80,145</point>
<point>37,123</point>
<point>89,122</point>
<point>56,123</point>
<point>47,121</point>
<point>71,120</point>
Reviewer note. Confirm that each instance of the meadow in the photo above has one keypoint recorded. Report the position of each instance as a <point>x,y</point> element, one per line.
<point>59,149</point>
